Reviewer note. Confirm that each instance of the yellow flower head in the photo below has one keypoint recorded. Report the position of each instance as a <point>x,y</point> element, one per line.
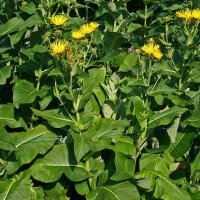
<point>94,25</point>
<point>77,35</point>
<point>152,49</point>
<point>196,14</point>
<point>59,20</point>
<point>86,29</point>
<point>59,47</point>
<point>185,15</point>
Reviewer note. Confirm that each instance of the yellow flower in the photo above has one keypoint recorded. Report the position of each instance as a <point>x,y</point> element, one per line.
<point>185,14</point>
<point>59,47</point>
<point>77,35</point>
<point>196,14</point>
<point>152,49</point>
<point>86,29</point>
<point>94,25</point>
<point>59,20</point>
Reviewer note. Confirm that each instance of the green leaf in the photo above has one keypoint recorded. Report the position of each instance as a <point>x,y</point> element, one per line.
<point>80,146</point>
<point>133,27</point>
<point>160,88</point>
<point>129,62</point>
<point>113,40</point>
<point>55,117</point>
<point>7,116</point>
<point>7,142</point>
<point>156,162</point>
<point>164,187</point>
<point>194,76</point>
<point>165,117</point>
<point>195,165</point>
<point>182,144</point>
<point>58,161</point>
<point>24,92</point>
<point>108,128</point>
<point>36,141</point>
<point>125,166</point>
<point>15,38</point>
<point>29,8</point>
<point>121,191</point>
<point>194,119</point>
<point>11,26</point>
<point>125,145</point>
<point>15,188</point>
<point>5,73</point>
<point>34,20</point>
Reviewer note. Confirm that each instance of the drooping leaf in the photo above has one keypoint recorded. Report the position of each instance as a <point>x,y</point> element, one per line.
<point>195,165</point>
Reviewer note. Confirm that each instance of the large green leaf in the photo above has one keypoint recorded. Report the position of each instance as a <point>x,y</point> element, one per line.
<point>165,117</point>
<point>36,141</point>
<point>15,38</point>
<point>15,188</point>
<point>7,116</point>
<point>58,161</point>
<point>121,191</point>
<point>24,92</point>
<point>128,62</point>
<point>11,26</point>
<point>164,187</point>
<point>54,117</point>
<point>29,8</point>
<point>157,162</point>
<point>80,146</point>
<point>160,88</point>
<point>5,73</point>
<point>125,167</point>
<point>108,128</point>
<point>194,119</point>
<point>113,40</point>
<point>32,21</point>
<point>7,141</point>
<point>195,165</point>
<point>182,144</point>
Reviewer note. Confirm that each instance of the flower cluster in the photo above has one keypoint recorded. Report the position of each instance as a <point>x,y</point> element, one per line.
<point>84,30</point>
<point>188,15</point>
<point>152,49</point>
<point>59,20</point>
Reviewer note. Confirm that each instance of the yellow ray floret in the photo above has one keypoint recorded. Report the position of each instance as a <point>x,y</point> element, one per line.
<point>152,49</point>
<point>59,47</point>
<point>86,29</point>
<point>196,14</point>
<point>77,35</point>
<point>188,15</point>
<point>59,20</point>
<point>94,25</point>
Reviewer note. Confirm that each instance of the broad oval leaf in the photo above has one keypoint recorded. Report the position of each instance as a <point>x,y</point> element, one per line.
<point>24,92</point>
<point>58,161</point>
